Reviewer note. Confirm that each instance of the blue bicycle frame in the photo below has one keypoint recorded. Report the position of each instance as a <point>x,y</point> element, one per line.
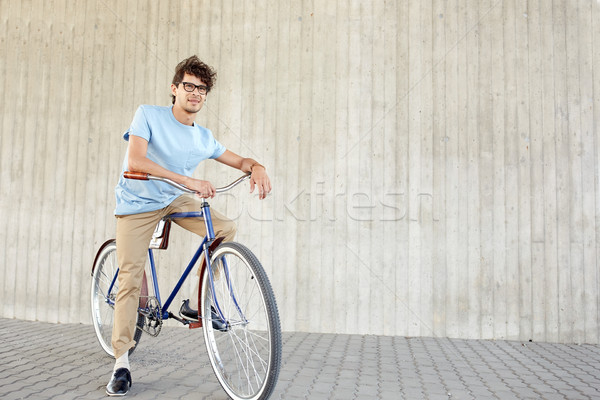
<point>210,236</point>
<point>203,248</point>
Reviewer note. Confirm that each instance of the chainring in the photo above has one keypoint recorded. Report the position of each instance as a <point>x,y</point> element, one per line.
<point>152,317</point>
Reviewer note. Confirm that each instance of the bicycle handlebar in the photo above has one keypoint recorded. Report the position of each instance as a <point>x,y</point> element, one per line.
<point>142,176</point>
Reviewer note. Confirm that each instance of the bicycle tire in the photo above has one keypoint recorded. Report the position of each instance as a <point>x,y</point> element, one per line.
<point>246,356</point>
<point>103,272</point>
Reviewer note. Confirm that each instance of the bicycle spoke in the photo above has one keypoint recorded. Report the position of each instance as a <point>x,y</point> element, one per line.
<point>244,368</point>
<point>249,352</point>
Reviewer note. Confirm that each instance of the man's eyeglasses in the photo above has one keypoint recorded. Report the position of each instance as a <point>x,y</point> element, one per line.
<point>190,87</point>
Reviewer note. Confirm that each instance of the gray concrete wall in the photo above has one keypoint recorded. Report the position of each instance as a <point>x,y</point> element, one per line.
<point>435,163</point>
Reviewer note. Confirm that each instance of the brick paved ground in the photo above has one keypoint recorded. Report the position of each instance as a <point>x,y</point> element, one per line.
<point>64,361</point>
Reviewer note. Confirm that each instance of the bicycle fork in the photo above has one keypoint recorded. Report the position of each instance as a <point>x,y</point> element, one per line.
<point>229,282</point>
<point>209,240</point>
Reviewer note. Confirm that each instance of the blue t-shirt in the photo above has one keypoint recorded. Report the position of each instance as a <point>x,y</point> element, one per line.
<point>172,145</point>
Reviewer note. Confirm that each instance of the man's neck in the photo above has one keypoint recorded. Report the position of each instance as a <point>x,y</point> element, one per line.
<point>183,116</point>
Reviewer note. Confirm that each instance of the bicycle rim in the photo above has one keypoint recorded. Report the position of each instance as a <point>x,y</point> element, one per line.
<point>103,312</point>
<point>246,356</point>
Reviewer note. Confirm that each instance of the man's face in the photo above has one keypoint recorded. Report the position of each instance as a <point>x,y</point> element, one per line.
<point>193,101</point>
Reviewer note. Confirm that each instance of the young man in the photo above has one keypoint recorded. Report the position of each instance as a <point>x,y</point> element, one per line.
<point>166,142</point>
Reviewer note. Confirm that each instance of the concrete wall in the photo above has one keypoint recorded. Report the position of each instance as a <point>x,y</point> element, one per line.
<point>435,163</point>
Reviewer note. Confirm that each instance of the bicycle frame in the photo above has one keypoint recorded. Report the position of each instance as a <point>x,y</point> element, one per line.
<point>204,248</point>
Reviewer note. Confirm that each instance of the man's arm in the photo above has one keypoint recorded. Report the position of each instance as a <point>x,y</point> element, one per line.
<point>259,175</point>
<point>137,161</point>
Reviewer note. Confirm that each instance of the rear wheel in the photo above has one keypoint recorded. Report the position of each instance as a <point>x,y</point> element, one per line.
<point>103,297</point>
<point>241,323</point>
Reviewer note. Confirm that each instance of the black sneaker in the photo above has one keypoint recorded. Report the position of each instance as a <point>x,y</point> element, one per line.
<point>119,383</point>
<point>190,314</point>
<point>217,322</point>
<point>187,312</point>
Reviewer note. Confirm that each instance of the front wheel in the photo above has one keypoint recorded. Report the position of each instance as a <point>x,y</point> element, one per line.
<point>241,324</point>
<point>103,294</point>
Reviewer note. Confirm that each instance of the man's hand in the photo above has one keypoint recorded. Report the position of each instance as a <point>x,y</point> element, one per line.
<point>260,179</point>
<point>203,189</point>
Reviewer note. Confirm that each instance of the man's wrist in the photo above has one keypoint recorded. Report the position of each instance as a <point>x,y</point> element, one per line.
<point>256,164</point>
<point>183,180</point>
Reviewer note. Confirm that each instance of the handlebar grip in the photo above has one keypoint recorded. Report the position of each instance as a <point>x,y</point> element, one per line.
<point>141,176</point>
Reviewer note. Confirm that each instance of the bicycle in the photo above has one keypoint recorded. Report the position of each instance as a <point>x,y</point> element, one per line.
<point>237,308</point>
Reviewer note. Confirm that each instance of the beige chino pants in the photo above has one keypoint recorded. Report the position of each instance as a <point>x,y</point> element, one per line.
<point>134,233</point>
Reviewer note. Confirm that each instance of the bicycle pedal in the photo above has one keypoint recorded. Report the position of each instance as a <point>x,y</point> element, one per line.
<point>194,325</point>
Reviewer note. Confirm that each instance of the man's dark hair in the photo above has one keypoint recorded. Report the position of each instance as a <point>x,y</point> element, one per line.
<point>194,66</point>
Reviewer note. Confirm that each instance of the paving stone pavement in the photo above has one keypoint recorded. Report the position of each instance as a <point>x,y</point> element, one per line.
<point>63,361</point>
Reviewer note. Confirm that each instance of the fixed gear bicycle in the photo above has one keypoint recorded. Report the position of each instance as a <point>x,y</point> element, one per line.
<point>237,308</point>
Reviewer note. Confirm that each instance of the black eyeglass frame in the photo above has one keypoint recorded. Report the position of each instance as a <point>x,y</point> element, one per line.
<point>202,89</point>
